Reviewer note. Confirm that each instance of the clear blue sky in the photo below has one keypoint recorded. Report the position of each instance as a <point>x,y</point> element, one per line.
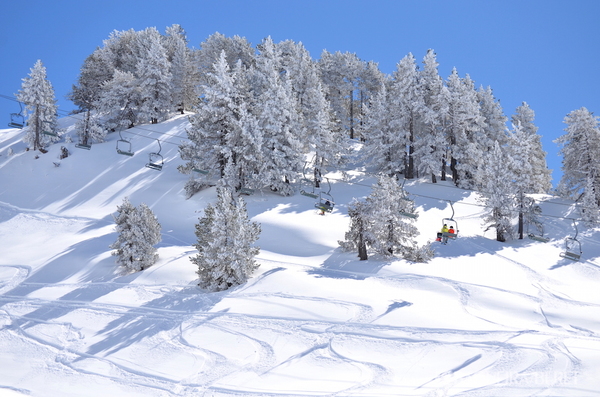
<point>544,52</point>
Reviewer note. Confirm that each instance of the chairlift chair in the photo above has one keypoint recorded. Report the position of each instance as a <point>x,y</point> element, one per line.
<point>155,159</point>
<point>16,120</point>
<point>304,192</point>
<point>85,146</point>
<point>124,146</point>
<point>572,246</point>
<point>538,237</point>
<point>451,223</point>
<point>326,201</point>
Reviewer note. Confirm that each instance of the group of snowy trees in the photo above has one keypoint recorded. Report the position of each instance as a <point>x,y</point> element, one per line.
<point>260,113</point>
<point>225,241</point>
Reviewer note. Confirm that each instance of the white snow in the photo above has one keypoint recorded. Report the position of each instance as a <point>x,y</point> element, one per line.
<point>483,318</point>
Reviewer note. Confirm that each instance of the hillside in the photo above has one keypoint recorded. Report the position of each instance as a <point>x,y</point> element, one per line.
<point>481,319</point>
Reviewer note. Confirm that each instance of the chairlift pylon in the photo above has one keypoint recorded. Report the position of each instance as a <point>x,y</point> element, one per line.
<point>572,246</point>
<point>155,159</point>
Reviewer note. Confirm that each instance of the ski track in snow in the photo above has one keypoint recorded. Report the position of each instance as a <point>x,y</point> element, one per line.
<point>319,327</point>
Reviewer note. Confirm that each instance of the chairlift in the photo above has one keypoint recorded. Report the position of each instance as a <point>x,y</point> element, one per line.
<point>404,193</point>
<point>16,119</point>
<point>124,146</point>
<point>306,193</point>
<point>82,145</point>
<point>326,201</point>
<point>48,131</point>
<point>450,223</point>
<point>247,191</point>
<point>538,237</point>
<point>155,159</point>
<point>572,246</point>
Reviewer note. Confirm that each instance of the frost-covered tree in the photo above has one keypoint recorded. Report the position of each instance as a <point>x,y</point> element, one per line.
<point>225,139</point>
<point>463,126</point>
<point>225,243</point>
<point>340,73</point>
<point>279,121</point>
<point>431,148</point>
<point>184,75</point>
<point>138,231</point>
<point>581,163</point>
<point>385,146</point>
<point>40,105</point>
<point>153,78</point>
<point>359,235</point>
<point>89,129</point>
<point>539,177</point>
<point>119,101</point>
<point>406,106</point>
<point>236,49</point>
<point>384,222</point>
<point>392,223</point>
<point>498,192</point>
<point>96,70</point>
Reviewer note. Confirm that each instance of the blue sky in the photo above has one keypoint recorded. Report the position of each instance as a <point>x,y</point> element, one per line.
<point>543,52</point>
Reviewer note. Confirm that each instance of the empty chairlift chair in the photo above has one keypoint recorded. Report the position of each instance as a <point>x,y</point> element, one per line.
<point>124,146</point>
<point>16,119</point>
<point>572,246</point>
<point>155,159</point>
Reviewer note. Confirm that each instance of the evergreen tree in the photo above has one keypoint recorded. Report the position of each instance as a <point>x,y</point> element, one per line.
<point>225,237</point>
<point>40,104</point>
<point>153,78</point>
<point>463,125</point>
<point>138,231</point>
<point>96,70</point>
<point>539,179</point>
<point>119,101</point>
<point>385,147</point>
<point>278,119</point>
<point>393,231</point>
<point>383,222</point>
<point>431,148</point>
<point>406,106</point>
<point>498,193</point>
<point>581,164</point>
<point>359,235</point>
<point>89,129</point>
<point>184,78</point>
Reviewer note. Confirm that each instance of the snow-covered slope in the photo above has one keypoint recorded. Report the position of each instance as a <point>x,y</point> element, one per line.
<point>481,319</point>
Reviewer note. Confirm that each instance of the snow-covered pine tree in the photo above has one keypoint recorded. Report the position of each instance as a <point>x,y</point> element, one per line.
<point>184,77</point>
<point>89,129</point>
<point>40,104</point>
<point>539,179</point>
<point>359,235</point>
<point>431,148</point>
<point>96,70</point>
<point>498,192</point>
<point>463,125</point>
<point>138,231</point>
<point>236,49</point>
<point>581,163</point>
<point>392,227</point>
<point>153,78</point>
<point>119,101</point>
<point>225,243</point>
<point>340,73</point>
<point>406,105</point>
<point>279,121</point>
<point>385,147</point>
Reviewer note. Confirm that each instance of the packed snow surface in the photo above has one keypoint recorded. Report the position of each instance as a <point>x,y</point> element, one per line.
<point>483,318</point>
